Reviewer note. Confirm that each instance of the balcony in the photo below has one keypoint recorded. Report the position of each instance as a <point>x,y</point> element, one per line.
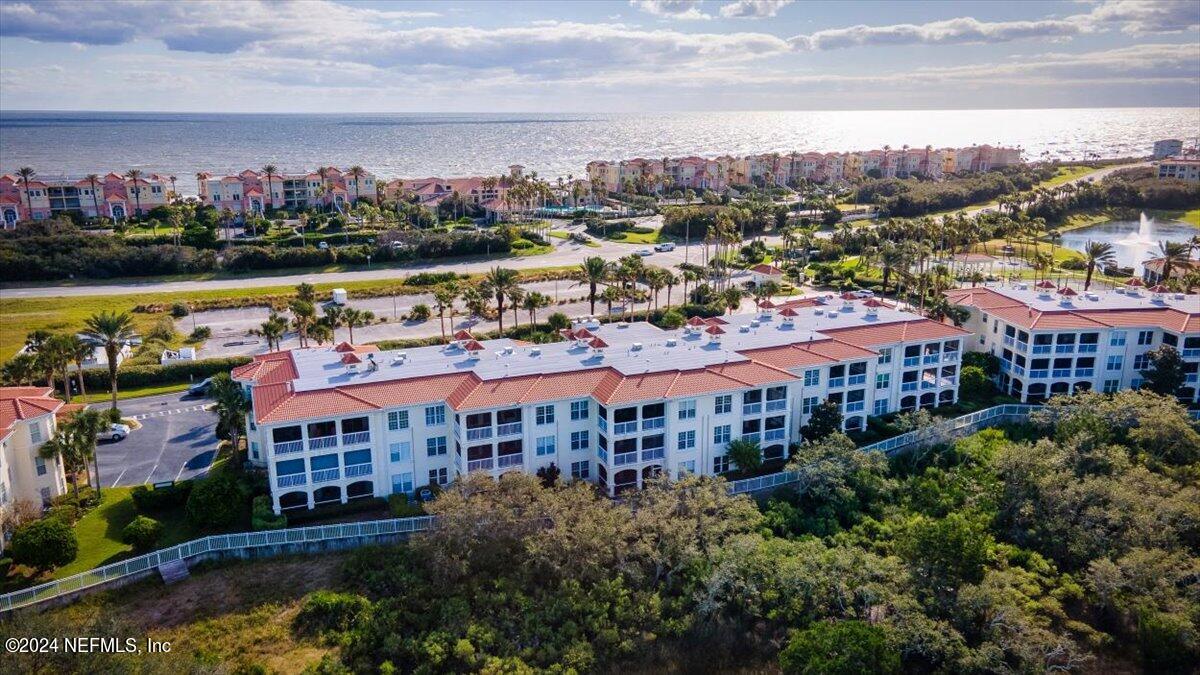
<point>1038,374</point>
<point>774,435</point>
<point>1191,353</point>
<point>857,406</point>
<point>602,423</point>
<point>912,361</point>
<point>1041,349</point>
<point>654,423</point>
<point>1192,378</point>
<point>775,406</point>
<point>291,480</point>
<point>650,455</point>
<point>752,438</point>
<point>481,464</point>
<point>354,470</point>
<point>322,442</point>
<point>1018,370</point>
<point>505,461</point>
<point>908,386</point>
<point>1061,372</point>
<point>624,458</point>
<point>1064,349</point>
<point>356,438</point>
<point>835,382</point>
<point>1009,340</point>
<point>1022,346</point>
<point>288,447</point>
<point>479,433</point>
<point>510,429</point>
<point>948,381</point>
<point>1084,372</point>
<point>602,454</point>
<point>326,475</point>
<point>625,428</point>
<point>1088,349</point>
<point>928,384</point>
<point>856,379</point>
<point>755,408</point>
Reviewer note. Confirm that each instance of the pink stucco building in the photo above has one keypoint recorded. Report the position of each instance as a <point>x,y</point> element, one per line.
<point>109,196</point>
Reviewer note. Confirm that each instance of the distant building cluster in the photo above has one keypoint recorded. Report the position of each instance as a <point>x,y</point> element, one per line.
<point>718,174</point>
<point>254,191</point>
<point>109,196</point>
<point>1175,162</point>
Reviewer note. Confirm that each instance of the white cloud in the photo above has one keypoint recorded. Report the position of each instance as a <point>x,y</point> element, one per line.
<point>753,9</point>
<point>688,10</point>
<point>951,31</point>
<point>1140,17</point>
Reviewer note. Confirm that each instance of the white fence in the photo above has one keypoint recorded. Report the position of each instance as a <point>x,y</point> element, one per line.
<point>241,542</point>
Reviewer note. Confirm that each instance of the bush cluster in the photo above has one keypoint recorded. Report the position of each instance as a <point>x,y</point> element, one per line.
<point>129,377</point>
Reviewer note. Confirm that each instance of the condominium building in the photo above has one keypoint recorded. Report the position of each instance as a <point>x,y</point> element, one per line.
<point>1169,147</point>
<point>1059,341</point>
<point>254,192</point>
<point>613,403</point>
<point>109,196</point>
<point>1179,168</point>
<point>27,420</point>
<point>488,192</point>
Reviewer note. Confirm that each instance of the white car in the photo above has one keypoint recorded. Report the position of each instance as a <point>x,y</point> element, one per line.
<point>645,252</point>
<point>665,246</point>
<point>864,294</point>
<point>115,432</point>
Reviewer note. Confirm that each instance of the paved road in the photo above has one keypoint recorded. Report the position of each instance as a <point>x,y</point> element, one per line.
<point>177,441</point>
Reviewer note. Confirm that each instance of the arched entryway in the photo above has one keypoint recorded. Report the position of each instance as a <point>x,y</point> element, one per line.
<point>293,500</point>
<point>327,494</point>
<point>625,480</point>
<point>363,488</point>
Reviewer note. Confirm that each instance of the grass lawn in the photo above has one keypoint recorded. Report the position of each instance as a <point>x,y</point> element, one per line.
<point>533,250</point>
<point>136,392</point>
<point>559,234</point>
<point>637,237</point>
<point>1066,174</point>
<point>1191,217</point>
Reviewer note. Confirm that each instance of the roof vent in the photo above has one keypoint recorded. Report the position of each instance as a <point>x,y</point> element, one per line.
<point>1119,290</point>
<point>623,324</point>
<point>535,351</point>
<point>508,350</point>
<point>1179,296</point>
<point>637,346</point>
<point>1092,296</point>
<point>399,357</point>
<point>744,328</point>
<point>818,311</point>
<point>670,342</point>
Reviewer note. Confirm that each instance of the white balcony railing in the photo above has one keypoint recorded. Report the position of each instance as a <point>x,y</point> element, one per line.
<point>649,455</point>
<point>774,435</point>
<point>291,480</point>
<point>504,461</point>
<point>510,429</point>
<point>1041,349</point>
<point>322,442</point>
<point>326,475</point>
<point>756,408</point>
<point>912,361</point>
<point>773,406</point>
<point>356,438</point>
<point>752,438</point>
<point>623,458</point>
<point>480,464</point>
<point>625,427</point>
<point>653,423</point>
<point>357,470</point>
<point>288,447</point>
<point>479,433</point>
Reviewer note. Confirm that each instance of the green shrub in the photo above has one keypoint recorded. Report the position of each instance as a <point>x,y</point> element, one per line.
<point>301,516</point>
<point>420,313</point>
<point>325,611</point>
<point>148,499</point>
<point>402,507</point>
<point>840,648</point>
<point>179,310</point>
<point>215,502</point>
<point>521,244</point>
<point>201,333</point>
<point>163,330</point>
<point>44,544</point>
<point>262,516</point>
<point>114,414</point>
<point>68,513</point>
<point>129,377</point>
<point>671,319</point>
<point>142,533</point>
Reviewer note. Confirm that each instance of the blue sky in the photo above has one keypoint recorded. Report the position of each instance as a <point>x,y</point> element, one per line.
<point>644,55</point>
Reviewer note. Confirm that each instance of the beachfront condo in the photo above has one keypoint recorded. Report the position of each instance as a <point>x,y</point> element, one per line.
<point>614,403</point>
<point>1060,340</point>
<point>1179,168</point>
<point>487,192</point>
<point>254,192</point>
<point>28,418</point>
<point>109,196</point>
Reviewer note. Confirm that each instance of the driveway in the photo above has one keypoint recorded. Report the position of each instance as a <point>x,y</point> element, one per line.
<point>177,441</point>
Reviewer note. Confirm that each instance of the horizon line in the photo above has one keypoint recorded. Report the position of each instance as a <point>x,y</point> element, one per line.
<point>580,112</point>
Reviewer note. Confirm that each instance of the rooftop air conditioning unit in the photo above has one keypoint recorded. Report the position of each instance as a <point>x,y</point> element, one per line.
<point>623,324</point>
<point>535,351</point>
<point>670,342</point>
<point>1179,296</point>
<point>637,346</point>
<point>754,324</point>
<point>818,311</point>
<point>1120,290</point>
<point>744,328</point>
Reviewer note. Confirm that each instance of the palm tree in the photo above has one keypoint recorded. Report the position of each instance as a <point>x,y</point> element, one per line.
<point>335,317</point>
<point>611,294</point>
<point>58,352</point>
<point>357,173</point>
<point>84,427</point>
<point>670,280</point>
<point>443,299</point>
<point>172,179</point>
<point>324,174</point>
<point>270,171</point>
<point>232,406</point>
<point>304,314</point>
<point>92,179</point>
<point>1095,252</point>
<point>112,331</point>
<point>595,272</point>
<point>26,174</point>
<point>500,281</point>
<point>1174,255</point>
<point>515,295</point>
<point>357,317</point>
<point>21,369</point>
<point>891,257</point>
<point>732,297</point>
<point>135,175</point>
<point>272,330</point>
<point>533,302</point>
<point>61,448</point>
<point>81,350</point>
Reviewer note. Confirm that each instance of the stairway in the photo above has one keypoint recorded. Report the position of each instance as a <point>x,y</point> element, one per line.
<point>171,572</point>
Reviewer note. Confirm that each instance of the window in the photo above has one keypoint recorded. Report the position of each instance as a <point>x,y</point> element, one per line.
<point>439,476</point>
<point>545,445</point>
<point>1111,385</point>
<point>720,464</point>
<point>812,377</point>
<point>885,355</point>
<point>1114,363</point>
<point>435,446</point>
<point>35,432</point>
<point>581,470</point>
<point>723,404</point>
<point>721,433</point>
<point>687,440</point>
<point>1135,383</point>
<point>41,465</point>
<point>881,406</point>
<point>397,420</point>
<point>883,380</point>
<point>400,452</point>
<point>687,409</point>
<point>579,410</point>
<point>1146,337</point>
<point>687,467</point>
<point>544,414</point>
<point>1141,362</point>
<point>809,404</point>
<point>435,415</point>
<point>579,440</point>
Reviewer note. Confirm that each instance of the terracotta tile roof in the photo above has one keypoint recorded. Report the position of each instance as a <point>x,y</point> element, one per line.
<point>269,368</point>
<point>763,268</point>
<point>280,403</point>
<point>899,331</point>
<point>23,403</point>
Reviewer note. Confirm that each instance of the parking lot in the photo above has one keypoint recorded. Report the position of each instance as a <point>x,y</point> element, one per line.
<point>177,441</point>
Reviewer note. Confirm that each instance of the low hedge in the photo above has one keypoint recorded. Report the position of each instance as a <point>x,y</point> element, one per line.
<point>262,516</point>
<point>96,379</point>
<point>300,517</point>
<point>149,499</point>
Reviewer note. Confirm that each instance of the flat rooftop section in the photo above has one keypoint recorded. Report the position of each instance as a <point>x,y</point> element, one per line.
<point>1049,300</point>
<point>633,348</point>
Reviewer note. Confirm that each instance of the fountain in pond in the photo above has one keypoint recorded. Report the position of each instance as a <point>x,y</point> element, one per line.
<point>1142,236</point>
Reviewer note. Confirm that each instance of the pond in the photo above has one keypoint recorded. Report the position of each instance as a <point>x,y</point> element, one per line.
<point>1134,241</point>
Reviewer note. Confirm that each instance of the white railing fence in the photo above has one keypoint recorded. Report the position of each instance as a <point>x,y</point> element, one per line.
<point>243,541</point>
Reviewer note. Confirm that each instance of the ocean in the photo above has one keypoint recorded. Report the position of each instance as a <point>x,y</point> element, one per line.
<point>418,145</point>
